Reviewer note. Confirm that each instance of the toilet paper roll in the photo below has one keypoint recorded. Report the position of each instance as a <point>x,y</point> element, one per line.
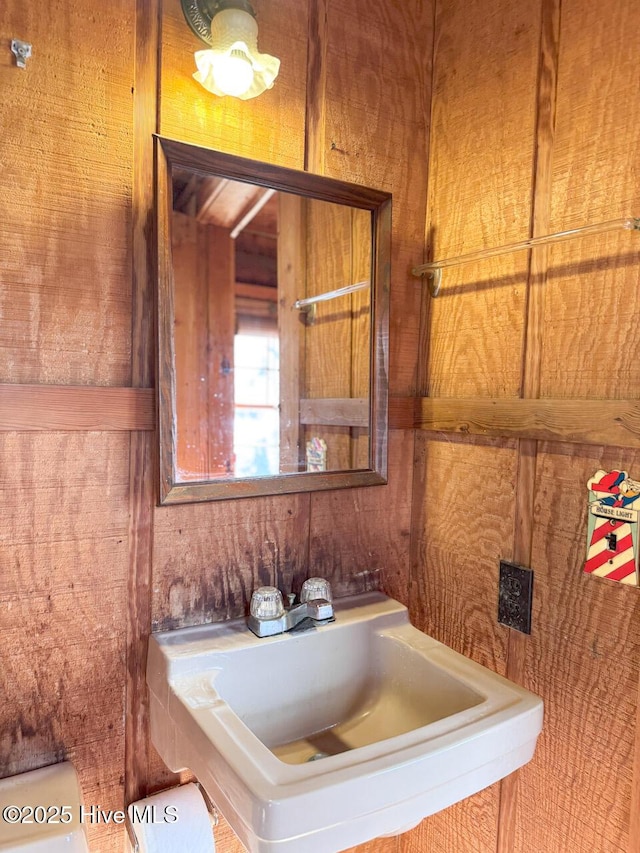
<point>172,822</point>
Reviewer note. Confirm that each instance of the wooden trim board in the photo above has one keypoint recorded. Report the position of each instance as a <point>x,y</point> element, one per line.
<point>335,411</point>
<point>615,423</point>
<point>316,107</point>
<point>404,412</point>
<point>142,455</point>
<point>75,407</point>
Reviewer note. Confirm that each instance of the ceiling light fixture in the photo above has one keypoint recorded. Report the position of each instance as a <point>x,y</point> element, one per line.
<point>232,64</point>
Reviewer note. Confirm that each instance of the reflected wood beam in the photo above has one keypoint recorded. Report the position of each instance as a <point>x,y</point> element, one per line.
<point>208,193</point>
<point>335,411</point>
<point>230,204</point>
<point>613,423</point>
<point>266,312</point>
<point>256,291</point>
<point>75,407</point>
<point>251,212</point>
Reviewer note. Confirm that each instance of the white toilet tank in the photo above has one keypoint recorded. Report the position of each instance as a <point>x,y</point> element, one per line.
<point>39,812</point>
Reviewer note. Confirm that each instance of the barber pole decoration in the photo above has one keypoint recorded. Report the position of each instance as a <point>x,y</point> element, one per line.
<point>612,536</point>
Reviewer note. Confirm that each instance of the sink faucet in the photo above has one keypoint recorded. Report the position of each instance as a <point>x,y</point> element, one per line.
<point>268,615</point>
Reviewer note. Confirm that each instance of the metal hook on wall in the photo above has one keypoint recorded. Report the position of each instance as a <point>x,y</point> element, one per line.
<point>22,51</point>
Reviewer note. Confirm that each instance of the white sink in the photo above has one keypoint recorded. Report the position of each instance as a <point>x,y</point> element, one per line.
<point>399,725</point>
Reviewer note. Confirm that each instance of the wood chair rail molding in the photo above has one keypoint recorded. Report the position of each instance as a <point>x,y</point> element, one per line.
<point>614,423</point>
<point>76,407</point>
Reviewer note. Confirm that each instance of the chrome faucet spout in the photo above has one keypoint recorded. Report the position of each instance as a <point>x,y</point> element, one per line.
<point>319,609</point>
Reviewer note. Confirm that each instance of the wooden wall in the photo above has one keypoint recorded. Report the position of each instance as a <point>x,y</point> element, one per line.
<point>534,119</point>
<point>337,250</point>
<point>65,303</point>
<point>88,564</point>
<point>534,124</point>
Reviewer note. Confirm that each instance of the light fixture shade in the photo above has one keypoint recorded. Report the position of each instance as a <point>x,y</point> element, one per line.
<point>233,66</point>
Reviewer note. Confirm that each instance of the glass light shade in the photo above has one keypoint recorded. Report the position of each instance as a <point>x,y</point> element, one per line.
<point>233,66</point>
<point>233,74</point>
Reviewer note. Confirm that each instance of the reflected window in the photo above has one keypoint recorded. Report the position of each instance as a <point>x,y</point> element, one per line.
<point>256,430</point>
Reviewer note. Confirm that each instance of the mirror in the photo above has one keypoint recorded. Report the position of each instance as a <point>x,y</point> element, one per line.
<point>273,294</point>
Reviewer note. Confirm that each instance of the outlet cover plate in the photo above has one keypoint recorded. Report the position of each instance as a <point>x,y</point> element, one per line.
<point>515,596</point>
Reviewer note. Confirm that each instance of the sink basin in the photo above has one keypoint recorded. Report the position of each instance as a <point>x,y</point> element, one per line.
<point>316,741</point>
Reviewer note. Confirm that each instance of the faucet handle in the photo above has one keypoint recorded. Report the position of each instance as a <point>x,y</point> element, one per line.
<point>267,603</point>
<point>314,588</point>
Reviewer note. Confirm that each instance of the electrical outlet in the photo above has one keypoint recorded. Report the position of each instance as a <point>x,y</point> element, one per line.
<point>515,596</point>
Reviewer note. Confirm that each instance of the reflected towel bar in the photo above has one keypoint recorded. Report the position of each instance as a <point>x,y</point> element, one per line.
<point>331,294</point>
<point>433,270</point>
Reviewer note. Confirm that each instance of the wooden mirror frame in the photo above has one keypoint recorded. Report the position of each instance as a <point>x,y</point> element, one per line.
<point>172,154</point>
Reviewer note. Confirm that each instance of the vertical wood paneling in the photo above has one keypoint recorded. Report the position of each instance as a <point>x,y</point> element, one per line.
<point>204,328</point>
<point>316,105</point>
<point>377,116</point>
<point>580,792</point>
<point>190,305</point>
<point>485,64</point>
<point>357,542</point>
<point>291,280</point>
<point>480,194</point>
<point>582,659</point>
<point>329,261</point>
<point>534,330</point>
<point>378,845</point>
<point>64,196</point>
<point>456,570</point>
<point>376,84</point>
<point>586,778</point>
<point>361,325</point>
<point>592,292</point>
<point>634,822</point>
<point>65,305</point>
<point>142,482</point>
<point>454,578</point>
<point>65,502</point>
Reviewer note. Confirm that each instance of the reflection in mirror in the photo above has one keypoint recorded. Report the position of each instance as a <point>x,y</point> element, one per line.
<point>230,242</point>
<point>268,330</point>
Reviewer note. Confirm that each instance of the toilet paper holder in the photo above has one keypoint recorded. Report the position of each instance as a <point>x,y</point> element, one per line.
<point>213,814</point>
